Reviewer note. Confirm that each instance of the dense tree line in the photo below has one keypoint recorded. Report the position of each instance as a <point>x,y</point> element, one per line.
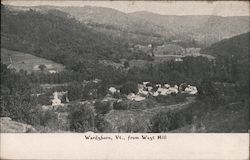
<point>190,70</point>
<point>108,74</point>
<point>232,57</point>
<point>57,37</point>
<point>17,102</point>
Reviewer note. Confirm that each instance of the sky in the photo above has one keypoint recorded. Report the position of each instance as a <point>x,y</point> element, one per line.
<point>220,8</point>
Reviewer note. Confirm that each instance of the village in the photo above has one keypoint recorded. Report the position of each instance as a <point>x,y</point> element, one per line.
<point>129,72</point>
<point>145,90</point>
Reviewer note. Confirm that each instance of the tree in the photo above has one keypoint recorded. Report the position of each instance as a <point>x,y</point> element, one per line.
<point>81,118</point>
<point>42,67</point>
<point>208,93</point>
<point>163,122</point>
<point>120,105</point>
<point>101,124</point>
<point>102,107</point>
<point>75,91</point>
<point>170,120</point>
<point>126,64</point>
<point>129,87</point>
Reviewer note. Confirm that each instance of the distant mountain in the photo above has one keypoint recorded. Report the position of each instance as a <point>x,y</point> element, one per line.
<point>235,47</point>
<point>173,22</point>
<point>57,37</point>
<point>206,29</point>
<point>146,27</point>
<point>111,22</point>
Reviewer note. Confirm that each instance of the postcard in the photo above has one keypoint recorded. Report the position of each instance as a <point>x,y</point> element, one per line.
<point>125,80</point>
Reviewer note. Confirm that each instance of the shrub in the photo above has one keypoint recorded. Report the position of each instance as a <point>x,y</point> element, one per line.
<point>75,91</point>
<point>101,124</point>
<point>48,117</point>
<point>43,99</point>
<point>120,106</point>
<point>102,107</point>
<point>163,122</point>
<point>117,95</point>
<point>145,104</point>
<point>129,87</point>
<point>42,67</point>
<point>81,118</point>
<point>170,120</point>
<point>95,90</point>
<point>126,64</point>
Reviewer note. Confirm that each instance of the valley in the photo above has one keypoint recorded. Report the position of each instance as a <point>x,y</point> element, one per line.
<point>96,69</point>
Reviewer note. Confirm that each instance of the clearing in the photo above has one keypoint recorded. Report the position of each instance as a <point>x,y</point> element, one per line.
<point>27,62</point>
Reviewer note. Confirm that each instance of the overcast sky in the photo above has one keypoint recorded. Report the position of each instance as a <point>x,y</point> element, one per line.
<point>221,8</point>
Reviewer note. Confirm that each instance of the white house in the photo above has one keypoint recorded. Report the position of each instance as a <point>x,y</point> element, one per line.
<point>178,60</point>
<point>166,91</point>
<point>191,90</point>
<point>149,88</point>
<point>155,94</point>
<point>166,85</point>
<point>52,71</point>
<point>158,85</point>
<point>112,90</point>
<point>56,101</point>
<point>96,80</point>
<point>173,89</point>
<point>141,89</point>
<point>145,83</point>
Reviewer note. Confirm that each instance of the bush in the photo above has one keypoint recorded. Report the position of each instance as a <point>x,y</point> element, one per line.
<point>126,64</point>
<point>102,107</point>
<point>117,95</point>
<point>170,120</point>
<point>209,94</point>
<point>171,99</point>
<point>163,122</point>
<point>81,118</point>
<point>48,117</point>
<point>44,99</point>
<point>42,67</point>
<point>101,124</point>
<point>95,90</point>
<point>145,104</point>
<point>120,106</point>
<point>129,87</point>
<point>75,91</point>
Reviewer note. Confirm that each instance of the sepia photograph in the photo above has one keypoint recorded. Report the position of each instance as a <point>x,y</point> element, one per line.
<point>125,67</point>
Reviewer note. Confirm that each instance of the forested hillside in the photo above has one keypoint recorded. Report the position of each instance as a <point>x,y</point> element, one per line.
<point>147,27</point>
<point>109,21</point>
<point>100,77</point>
<point>233,57</point>
<point>236,47</point>
<point>57,37</point>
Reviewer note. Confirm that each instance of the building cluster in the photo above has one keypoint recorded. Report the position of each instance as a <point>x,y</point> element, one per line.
<point>147,89</point>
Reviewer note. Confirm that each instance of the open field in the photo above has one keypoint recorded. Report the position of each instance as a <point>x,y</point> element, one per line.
<point>27,62</point>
